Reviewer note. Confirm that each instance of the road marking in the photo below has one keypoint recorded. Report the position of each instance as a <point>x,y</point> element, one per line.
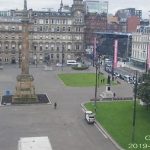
<point>101,130</point>
<point>83,110</point>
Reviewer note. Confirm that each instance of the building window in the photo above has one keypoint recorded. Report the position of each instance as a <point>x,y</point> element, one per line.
<point>13,28</point>
<point>57,56</point>
<point>69,22</point>
<point>77,29</point>
<point>46,28</point>
<point>52,56</point>
<point>64,21</point>
<point>52,21</point>
<point>6,59</point>
<point>69,29</point>
<point>6,46</point>
<point>57,29</point>
<point>19,46</point>
<point>35,28</point>
<point>57,48</point>
<point>64,37</point>
<point>34,47</point>
<point>46,21</point>
<point>20,37</point>
<point>52,29</point>
<point>46,46</point>
<point>77,47</point>
<point>64,28</point>
<point>57,21</point>
<point>69,47</point>
<point>41,21</point>
<point>13,51</point>
<point>20,27</point>
<point>40,47</point>
<point>41,28</point>
<point>13,46</point>
<point>52,48</point>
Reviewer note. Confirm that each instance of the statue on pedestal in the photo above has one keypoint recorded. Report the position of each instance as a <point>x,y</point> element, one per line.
<point>107,94</point>
<point>108,79</point>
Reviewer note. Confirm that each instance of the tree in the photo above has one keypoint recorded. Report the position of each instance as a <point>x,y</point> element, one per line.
<point>143,89</point>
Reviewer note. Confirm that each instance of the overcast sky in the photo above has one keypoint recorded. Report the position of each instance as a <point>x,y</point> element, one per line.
<point>114,5</point>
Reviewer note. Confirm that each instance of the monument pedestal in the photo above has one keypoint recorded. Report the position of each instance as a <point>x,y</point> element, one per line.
<point>107,94</point>
<point>25,90</point>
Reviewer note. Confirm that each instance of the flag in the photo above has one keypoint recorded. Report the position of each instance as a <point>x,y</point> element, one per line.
<point>115,54</point>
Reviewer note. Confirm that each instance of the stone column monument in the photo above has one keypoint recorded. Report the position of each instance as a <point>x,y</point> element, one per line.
<point>25,90</point>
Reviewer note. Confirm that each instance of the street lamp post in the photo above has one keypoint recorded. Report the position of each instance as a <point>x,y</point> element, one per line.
<point>128,45</point>
<point>95,98</point>
<point>62,60</point>
<point>99,63</point>
<point>146,59</point>
<point>19,58</point>
<point>134,110</point>
<point>146,67</point>
<point>112,70</point>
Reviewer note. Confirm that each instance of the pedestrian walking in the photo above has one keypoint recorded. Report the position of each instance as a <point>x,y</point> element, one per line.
<point>55,105</point>
<point>114,94</point>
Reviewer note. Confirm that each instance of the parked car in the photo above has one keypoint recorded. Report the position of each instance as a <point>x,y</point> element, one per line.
<point>59,65</point>
<point>89,117</point>
<point>71,62</point>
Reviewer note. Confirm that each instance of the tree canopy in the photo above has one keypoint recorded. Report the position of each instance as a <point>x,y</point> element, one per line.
<point>143,89</point>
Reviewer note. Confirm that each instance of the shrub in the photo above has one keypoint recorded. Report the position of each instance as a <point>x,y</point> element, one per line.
<point>80,68</point>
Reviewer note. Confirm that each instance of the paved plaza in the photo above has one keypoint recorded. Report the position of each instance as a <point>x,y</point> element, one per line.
<point>65,126</point>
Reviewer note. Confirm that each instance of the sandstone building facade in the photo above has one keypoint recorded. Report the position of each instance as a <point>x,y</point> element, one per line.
<point>54,36</point>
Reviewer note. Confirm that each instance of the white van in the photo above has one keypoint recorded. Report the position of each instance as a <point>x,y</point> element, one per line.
<point>72,62</point>
<point>127,78</point>
<point>90,117</point>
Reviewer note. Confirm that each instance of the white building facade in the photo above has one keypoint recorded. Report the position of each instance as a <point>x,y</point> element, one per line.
<point>140,44</point>
<point>53,36</point>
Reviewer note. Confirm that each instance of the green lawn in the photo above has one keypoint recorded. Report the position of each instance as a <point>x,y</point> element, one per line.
<point>81,79</point>
<point>116,118</point>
